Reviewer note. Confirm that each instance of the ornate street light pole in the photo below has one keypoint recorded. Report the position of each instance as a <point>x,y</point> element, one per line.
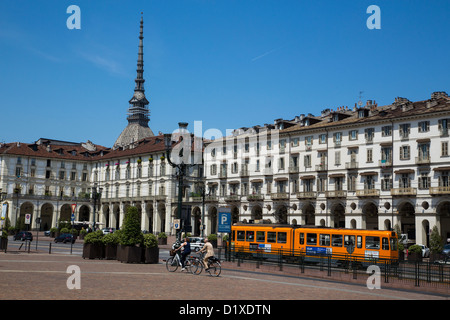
<point>182,139</point>
<point>95,197</point>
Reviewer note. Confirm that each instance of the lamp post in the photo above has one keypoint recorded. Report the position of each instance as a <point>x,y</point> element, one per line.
<point>179,164</point>
<point>96,197</point>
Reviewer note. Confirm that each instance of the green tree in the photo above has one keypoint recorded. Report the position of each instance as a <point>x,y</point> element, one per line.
<point>131,233</point>
<point>435,241</point>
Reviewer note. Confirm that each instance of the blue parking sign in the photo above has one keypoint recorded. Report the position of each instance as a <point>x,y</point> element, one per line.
<point>224,221</point>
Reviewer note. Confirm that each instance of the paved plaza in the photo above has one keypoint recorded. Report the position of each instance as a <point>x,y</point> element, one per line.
<point>43,276</point>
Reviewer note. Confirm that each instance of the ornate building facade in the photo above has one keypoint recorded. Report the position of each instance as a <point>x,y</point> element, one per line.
<point>370,167</point>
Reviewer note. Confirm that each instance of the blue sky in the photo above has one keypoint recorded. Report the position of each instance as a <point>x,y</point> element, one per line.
<point>226,63</point>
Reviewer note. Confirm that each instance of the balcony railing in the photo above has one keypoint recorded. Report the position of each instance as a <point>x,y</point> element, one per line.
<point>404,191</point>
<point>351,165</point>
<point>293,169</point>
<point>306,195</point>
<point>233,197</point>
<point>385,163</point>
<point>336,194</point>
<point>368,193</point>
<point>255,197</point>
<point>321,167</point>
<point>423,160</point>
<point>279,196</point>
<point>440,190</point>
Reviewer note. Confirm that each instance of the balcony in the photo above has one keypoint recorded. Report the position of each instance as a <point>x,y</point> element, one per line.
<point>222,174</point>
<point>233,198</point>
<point>293,169</point>
<point>385,163</point>
<point>351,165</point>
<point>321,167</point>
<point>336,194</point>
<point>306,195</point>
<point>404,191</point>
<point>211,198</point>
<point>255,197</point>
<point>436,191</point>
<point>368,193</point>
<point>279,196</point>
<point>423,160</point>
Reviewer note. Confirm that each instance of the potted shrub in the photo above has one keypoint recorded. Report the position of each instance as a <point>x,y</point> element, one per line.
<point>93,247</point>
<point>4,241</point>
<point>415,253</point>
<point>130,236</point>
<point>83,233</point>
<point>110,241</point>
<point>53,232</point>
<point>162,238</point>
<point>213,239</point>
<point>74,233</point>
<point>151,248</point>
<point>436,245</point>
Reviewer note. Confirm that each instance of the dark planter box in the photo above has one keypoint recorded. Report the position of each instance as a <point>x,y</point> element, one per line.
<point>151,255</point>
<point>3,244</point>
<point>93,251</point>
<point>214,243</point>
<point>162,241</point>
<point>414,256</point>
<point>130,254</point>
<point>111,252</point>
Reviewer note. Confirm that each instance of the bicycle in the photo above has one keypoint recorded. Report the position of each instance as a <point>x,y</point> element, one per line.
<point>214,268</point>
<point>174,262</point>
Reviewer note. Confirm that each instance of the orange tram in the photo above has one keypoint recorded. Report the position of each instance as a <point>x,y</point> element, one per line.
<point>314,243</point>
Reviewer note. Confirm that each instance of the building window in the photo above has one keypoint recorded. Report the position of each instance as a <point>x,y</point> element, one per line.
<point>405,181</point>
<point>444,149</point>
<point>368,134</point>
<point>404,130</point>
<point>405,152</point>
<point>337,138</point>
<point>386,131</point>
<point>323,139</point>
<point>307,161</point>
<point>353,135</point>
<point>369,155</point>
<point>424,181</point>
<point>443,179</point>
<point>337,158</point>
<point>424,126</point>
<point>386,183</point>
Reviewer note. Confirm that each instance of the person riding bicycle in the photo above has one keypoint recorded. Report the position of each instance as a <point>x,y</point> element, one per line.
<point>208,248</point>
<point>186,246</point>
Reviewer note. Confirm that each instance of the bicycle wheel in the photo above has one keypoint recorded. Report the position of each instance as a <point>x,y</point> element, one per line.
<point>172,264</point>
<point>196,266</point>
<point>214,269</point>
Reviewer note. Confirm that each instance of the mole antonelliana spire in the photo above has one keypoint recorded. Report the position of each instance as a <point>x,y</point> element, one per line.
<point>138,112</point>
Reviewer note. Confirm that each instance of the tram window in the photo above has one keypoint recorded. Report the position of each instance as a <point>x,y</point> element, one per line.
<point>394,244</point>
<point>250,236</point>
<point>240,235</point>
<point>271,237</point>
<point>359,242</point>
<point>282,236</point>
<point>349,241</point>
<point>324,240</point>
<point>372,242</point>
<point>311,238</point>
<point>337,240</point>
<point>385,244</point>
<point>302,238</point>
<point>260,236</point>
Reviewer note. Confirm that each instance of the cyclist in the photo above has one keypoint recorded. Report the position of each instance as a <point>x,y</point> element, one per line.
<point>208,248</point>
<point>186,251</point>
